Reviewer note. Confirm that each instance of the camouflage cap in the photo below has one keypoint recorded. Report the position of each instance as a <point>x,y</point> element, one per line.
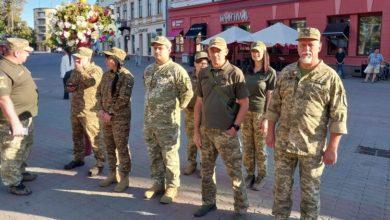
<point>18,44</point>
<point>116,52</point>
<point>161,40</point>
<point>259,46</point>
<point>309,33</point>
<point>218,42</point>
<point>201,55</point>
<point>83,52</point>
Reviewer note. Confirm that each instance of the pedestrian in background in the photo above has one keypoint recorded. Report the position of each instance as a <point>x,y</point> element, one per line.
<point>340,56</point>
<point>309,100</point>
<point>115,113</point>
<point>221,104</point>
<point>260,79</point>
<point>19,104</point>
<point>374,64</point>
<point>167,90</point>
<point>201,61</point>
<point>84,83</point>
<point>138,57</point>
<point>67,66</point>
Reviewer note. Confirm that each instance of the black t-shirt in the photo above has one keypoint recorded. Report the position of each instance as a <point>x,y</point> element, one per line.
<point>340,57</point>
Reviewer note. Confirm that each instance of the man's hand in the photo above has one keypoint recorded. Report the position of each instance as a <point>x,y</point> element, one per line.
<point>232,132</point>
<point>197,140</point>
<point>264,127</point>
<point>330,156</point>
<point>18,129</point>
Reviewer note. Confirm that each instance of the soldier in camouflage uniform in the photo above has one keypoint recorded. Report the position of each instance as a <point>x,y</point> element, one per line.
<point>201,61</point>
<point>309,99</point>
<point>260,79</point>
<point>19,104</point>
<point>115,104</point>
<point>222,102</point>
<point>84,83</point>
<point>167,90</point>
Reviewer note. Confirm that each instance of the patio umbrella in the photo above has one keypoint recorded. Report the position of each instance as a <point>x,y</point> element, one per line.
<point>231,35</point>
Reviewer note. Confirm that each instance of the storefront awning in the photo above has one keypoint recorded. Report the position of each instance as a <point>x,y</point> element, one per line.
<point>173,33</point>
<point>337,29</point>
<point>195,29</point>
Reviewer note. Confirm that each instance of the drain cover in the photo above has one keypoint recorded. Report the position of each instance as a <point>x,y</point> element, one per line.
<point>373,151</point>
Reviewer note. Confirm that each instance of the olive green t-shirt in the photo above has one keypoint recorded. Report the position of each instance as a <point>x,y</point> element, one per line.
<point>194,83</point>
<point>231,80</point>
<point>304,72</point>
<point>258,84</point>
<point>16,81</point>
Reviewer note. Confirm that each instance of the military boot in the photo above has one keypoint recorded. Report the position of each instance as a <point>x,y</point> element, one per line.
<point>154,190</point>
<point>123,182</point>
<point>204,209</point>
<point>20,190</point>
<point>249,180</point>
<point>73,164</point>
<point>110,179</point>
<point>27,177</point>
<point>189,169</point>
<point>169,195</point>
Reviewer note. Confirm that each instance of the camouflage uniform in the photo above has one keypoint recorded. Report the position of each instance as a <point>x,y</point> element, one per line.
<point>215,139</point>
<point>305,108</point>
<point>115,93</point>
<point>192,150</point>
<point>167,90</point>
<point>17,83</point>
<point>84,109</point>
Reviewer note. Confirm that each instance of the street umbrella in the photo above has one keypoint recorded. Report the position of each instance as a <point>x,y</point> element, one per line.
<point>231,35</point>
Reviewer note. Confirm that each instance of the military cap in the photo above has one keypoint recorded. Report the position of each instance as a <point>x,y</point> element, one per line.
<point>201,55</point>
<point>162,40</point>
<point>116,52</point>
<point>309,33</point>
<point>218,42</point>
<point>259,46</point>
<point>83,52</point>
<point>18,44</point>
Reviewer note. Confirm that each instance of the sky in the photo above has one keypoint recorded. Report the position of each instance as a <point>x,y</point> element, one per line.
<point>28,10</point>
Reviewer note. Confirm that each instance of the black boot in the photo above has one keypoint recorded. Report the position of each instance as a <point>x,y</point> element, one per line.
<point>73,164</point>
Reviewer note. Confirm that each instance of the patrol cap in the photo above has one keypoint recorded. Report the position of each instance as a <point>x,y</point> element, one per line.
<point>83,52</point>
<point>218,42</point>
<point>117,53</point>
<point>161,40</point>
<point>201,55</point>
<point>309,33</point>
<point>259,46</point>
<point>18,44</point>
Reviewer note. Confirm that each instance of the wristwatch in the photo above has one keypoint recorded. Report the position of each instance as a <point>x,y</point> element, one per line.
<point>235,126</point>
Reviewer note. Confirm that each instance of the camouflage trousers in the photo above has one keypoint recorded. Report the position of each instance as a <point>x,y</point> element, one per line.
<point>90,126</point>
<point>192,150</point>
<point>310,171</point>
<point>116,137</point>
<point>14,153</point>
<point>163,142</point>
<point>214,142</point>
<point>254,154</point>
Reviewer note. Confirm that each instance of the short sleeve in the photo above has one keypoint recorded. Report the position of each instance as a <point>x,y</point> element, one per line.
<point>241,89</point>
<point>271,82</point>
<point>199,84</point>
<point>5,85</point>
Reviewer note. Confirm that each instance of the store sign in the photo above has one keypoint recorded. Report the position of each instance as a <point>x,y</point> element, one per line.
<point>177,23</point>
<point>229,17</point>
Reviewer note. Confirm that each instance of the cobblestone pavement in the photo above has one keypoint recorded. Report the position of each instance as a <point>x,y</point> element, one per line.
<point>358,187</point>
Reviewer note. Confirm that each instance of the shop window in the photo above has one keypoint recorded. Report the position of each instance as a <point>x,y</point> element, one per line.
<point>338,36</point>
<point>179,42</point>
<point>297,23</point>
<point>369,34</point>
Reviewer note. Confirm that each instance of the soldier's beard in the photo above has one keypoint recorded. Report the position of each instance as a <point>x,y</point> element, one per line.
<point>306,59</point>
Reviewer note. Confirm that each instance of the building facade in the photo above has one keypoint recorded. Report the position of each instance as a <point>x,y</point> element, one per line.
<point>358,26</point>
<point>41,26</point>
<point>139,21</point>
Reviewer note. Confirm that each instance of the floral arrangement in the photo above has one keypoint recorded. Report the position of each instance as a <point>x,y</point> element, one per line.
<point>80,25</point>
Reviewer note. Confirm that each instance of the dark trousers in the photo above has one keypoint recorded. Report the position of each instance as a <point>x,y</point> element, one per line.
<point>66,94</point>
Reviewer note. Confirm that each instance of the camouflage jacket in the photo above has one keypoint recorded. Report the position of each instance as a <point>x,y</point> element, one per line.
<point>84,99</point>
<point>167,90</point>
<point>306,107</point>
<point>115,92</point>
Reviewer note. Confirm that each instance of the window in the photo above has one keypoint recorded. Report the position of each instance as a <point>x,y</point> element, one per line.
<point>199,46</point>
<point>149,36</point>
<point>336,41</point>
<point>369,34</point>
<point>140,8</point>
<point>179,40</point>
<point>297,23</point>
<point>159,6</point>
<point>132,10</point>
<point>118,12</point>
<point>124,12</point>
<point>159,32</point>
<point>41,14</point>
<point>133,44</point>
<point>149,8</point>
